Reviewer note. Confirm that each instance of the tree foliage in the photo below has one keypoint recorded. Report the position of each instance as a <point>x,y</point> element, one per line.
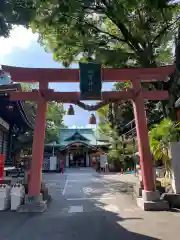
<point>160,137</point>
<point>121,33</point>
<point>54,121</point>
<point>117,33</point>
<point>15,12</point>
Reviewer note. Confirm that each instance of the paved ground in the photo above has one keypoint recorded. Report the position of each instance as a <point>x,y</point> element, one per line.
<point>89,206</point>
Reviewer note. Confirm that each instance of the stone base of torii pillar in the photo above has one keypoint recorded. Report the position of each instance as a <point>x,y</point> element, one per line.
<point>33,205</point>
<point>150,201</point>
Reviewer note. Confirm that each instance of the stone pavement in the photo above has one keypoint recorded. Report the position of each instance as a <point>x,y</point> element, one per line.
<point>90,206</point>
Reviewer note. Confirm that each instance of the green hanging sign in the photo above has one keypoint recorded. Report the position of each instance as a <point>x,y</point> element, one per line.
<point>90,81</point>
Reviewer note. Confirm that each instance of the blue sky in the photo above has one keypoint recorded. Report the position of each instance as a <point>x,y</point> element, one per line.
<point>22,49</point>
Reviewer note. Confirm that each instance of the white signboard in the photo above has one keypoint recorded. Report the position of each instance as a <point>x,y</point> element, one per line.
<point>103,161</point>
<point>53,163</point>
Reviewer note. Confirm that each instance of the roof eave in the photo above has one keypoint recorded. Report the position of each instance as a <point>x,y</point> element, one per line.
<point>17,87</point>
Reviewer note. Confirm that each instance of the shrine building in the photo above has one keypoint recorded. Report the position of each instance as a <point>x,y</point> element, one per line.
<point>77,147</point>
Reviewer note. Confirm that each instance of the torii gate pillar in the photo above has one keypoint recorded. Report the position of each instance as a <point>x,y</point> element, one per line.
<point>35,179</point>
<point>150,197</point>
<point>143,140</point>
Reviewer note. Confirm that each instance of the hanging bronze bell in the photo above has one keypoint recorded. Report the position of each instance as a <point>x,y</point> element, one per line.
<point>70,110</point>
<point>92,120</point>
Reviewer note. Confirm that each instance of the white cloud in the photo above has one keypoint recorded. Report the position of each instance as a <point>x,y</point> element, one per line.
<point>20,37</point>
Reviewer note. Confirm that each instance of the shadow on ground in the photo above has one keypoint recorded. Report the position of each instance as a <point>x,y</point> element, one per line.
<point>94,223</point>
<point>120,186</point>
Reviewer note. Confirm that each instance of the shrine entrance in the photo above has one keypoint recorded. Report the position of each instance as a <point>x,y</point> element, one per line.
<point>91,76</point>
<point>76,155</point>
<point>78,160</point>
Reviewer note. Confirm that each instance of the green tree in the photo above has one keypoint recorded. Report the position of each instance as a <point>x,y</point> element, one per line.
<point>160,137</point>
<point>119,147</point>
<point>114,33</point>
<point>15,12</point>
<point>54,121</point>
<point>121,33</point>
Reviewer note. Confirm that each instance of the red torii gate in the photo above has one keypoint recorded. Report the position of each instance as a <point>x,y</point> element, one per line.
<point>44,94</point>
